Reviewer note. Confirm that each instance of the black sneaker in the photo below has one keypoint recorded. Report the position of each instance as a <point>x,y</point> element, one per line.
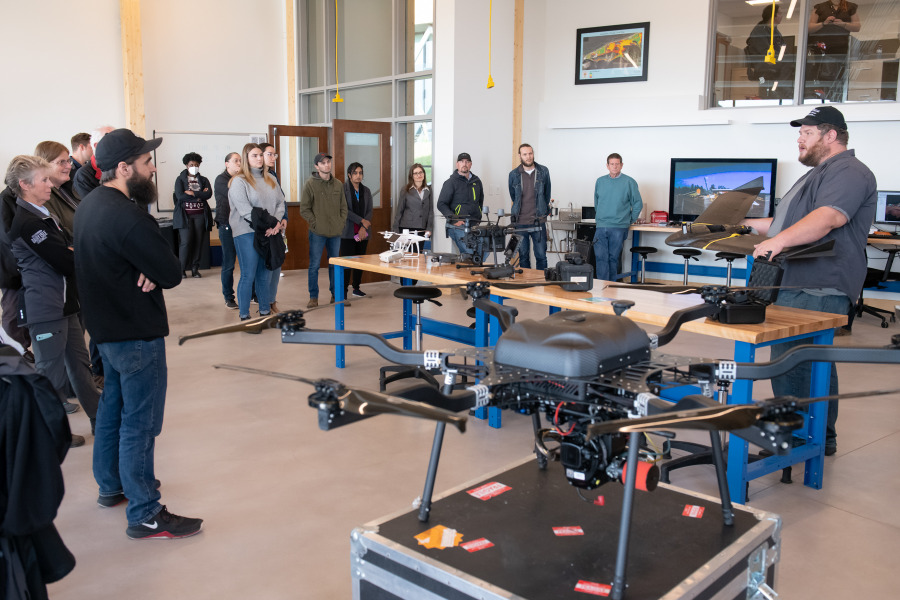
<point>358,293</point>
<point>76,441</point>
<point>116,499</point>
<point>231,304</point>
<point>165,525</point>
<point>70,407</point>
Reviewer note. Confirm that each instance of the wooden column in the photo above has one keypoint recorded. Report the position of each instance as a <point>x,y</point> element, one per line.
<point>518,59</point>
<point>133,65</point>
<point>290,22</point>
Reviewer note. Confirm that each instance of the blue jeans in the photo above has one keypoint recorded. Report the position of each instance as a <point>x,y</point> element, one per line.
<point>128,420</point>
<point>608,242</point>
<point>318,243</point>
<point>540,247</point>
<point>797,382</point>
<point>459,236</point>
<point>228,256</point>
<point>253,269</point>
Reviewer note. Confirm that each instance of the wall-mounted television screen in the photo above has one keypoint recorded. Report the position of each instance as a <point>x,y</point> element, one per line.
<point>887,211</point>
<point>694,184</point>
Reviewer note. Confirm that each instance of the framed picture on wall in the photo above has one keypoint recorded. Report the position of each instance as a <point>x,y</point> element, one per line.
<point>612,53</point>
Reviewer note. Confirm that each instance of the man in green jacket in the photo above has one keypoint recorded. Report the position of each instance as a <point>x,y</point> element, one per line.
<point>322,205</point>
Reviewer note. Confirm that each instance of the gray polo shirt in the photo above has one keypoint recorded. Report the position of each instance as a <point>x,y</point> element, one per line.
<point>845,184</point>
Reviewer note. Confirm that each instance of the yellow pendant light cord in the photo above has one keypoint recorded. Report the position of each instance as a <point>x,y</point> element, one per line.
<point>770,53</point>
<point>490,81</point>
<point>337,90</point>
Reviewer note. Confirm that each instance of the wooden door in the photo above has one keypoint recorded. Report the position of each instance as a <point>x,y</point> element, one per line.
<point>296,146</point>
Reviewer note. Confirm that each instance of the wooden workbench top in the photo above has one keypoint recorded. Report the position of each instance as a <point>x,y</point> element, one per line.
<point>651,308</point>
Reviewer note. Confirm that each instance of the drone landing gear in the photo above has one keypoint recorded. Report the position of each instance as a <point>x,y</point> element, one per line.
<point>436,444</point>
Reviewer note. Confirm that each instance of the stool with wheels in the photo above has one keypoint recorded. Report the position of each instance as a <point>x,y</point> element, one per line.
<point>644,251</point>
<point>730,257</point>
<point>688,254</point>
<point>417,295</point>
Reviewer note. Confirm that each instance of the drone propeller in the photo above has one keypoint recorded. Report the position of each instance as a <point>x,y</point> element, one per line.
<point>257,325</point>
<point>364,402</point>
<point>695,289</point>
<point>725,417</point>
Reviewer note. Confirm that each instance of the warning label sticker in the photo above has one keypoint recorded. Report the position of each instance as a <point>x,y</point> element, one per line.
<point>439,537</point>
<point>593,588</point>
<point>489,490</point>
<point>693,511</point>
<point>572,530</point>
<point>476,545</point>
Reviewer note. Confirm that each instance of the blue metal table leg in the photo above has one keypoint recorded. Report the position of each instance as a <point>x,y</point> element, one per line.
<point>554,310</point>
<point>741,393</point>
<point>635,263</point>
<point>339,313</point>
<point>409,319</point>
<point>818,415</point>
<point>495,419</point>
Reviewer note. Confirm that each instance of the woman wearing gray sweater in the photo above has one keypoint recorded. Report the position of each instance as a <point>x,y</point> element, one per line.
<point>415,211</point>
<point>253,187</point>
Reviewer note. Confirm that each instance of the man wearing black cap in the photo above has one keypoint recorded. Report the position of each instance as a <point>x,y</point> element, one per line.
<point>835,200</point>
<point>461,201</point>
<point>322,205</point>
<point>122,264</point>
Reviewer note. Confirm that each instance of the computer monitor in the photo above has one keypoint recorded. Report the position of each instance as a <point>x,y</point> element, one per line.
<point>695,183</point>
<point>588,213</point>
<point>887,211</point>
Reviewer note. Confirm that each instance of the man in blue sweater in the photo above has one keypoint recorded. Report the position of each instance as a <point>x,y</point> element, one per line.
<point>618,204</point>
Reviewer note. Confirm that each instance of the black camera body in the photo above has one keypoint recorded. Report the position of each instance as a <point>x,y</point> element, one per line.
<point>578,274</point>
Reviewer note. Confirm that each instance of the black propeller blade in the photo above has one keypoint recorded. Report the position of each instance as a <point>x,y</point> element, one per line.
<point>366,402</point>
<point>720,418</point>
<point>259,324</point>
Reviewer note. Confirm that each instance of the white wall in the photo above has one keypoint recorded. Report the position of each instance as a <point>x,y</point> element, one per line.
<point>653,121</point>
<point>211,66</point>
<point>468,116</point>
<point>62,72</point>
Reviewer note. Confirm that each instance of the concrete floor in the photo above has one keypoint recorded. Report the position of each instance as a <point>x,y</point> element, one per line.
<point>279,497</point>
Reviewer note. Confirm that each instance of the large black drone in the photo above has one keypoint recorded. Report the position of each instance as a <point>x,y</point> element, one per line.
<point>597,379</point>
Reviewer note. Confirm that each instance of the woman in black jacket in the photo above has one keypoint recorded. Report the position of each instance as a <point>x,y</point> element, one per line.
<point>49,303</point>
<point>193,217</point>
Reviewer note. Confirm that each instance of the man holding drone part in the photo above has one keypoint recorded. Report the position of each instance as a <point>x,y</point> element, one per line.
<point>461,201</point>
<point>833,201</point>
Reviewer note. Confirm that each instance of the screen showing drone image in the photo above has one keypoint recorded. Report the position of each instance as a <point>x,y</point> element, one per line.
<point>695,183</point>
<point>887,211</point>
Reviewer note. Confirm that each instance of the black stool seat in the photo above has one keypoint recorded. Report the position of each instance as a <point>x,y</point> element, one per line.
<point>643,250</point>
<point>688,252</point>
<point>729,256</point>
<point>417,294</point>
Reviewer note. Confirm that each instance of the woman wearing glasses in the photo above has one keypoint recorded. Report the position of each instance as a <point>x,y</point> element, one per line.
<point>63,199</point>
<point>415,211</point>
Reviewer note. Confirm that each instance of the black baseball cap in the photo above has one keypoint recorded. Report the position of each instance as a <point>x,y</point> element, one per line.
<point>320,157</point>
<point>120,145</point>
<point>822,115</point>
<point>463,156</point>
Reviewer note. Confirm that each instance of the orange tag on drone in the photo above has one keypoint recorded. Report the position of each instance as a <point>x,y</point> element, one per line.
<point>564,531</point>
<point>476,545</point>
<point>439,537</point>
<point>489,490</point>
<point>693,511</point>
<point>593,588</point>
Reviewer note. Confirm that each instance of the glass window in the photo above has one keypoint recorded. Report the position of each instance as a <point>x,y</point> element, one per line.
<point>314,73</point>
<point>369,102</point>
<point>364,39</point>
<point>365,149</point>
<point>852,51</point>
<point>415,97</point>
<point>417,35</point>
<point>312,108</point>
<point>415,147</point>
<point>849,52</point>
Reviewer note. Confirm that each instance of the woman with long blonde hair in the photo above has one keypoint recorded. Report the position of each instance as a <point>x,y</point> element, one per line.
<point>253,187</point>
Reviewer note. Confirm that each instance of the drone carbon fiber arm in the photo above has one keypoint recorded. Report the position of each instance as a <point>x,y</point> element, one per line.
<point>729,371</point>
<point>807,353</point>
<point>679,318</point>
<point>374,341</point>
